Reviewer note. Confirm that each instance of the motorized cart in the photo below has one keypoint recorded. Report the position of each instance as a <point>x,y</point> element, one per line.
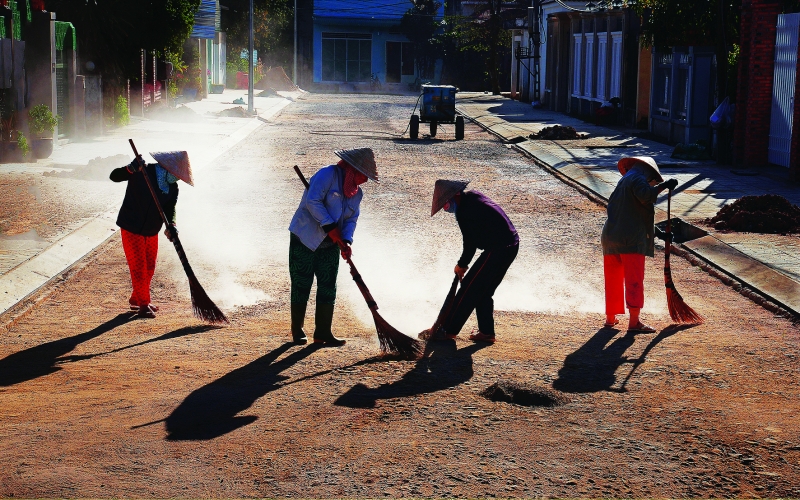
<point>438,106</point>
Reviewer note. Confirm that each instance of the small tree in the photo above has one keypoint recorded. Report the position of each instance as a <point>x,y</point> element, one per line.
<point>41,120</point>
<point>419,25</point>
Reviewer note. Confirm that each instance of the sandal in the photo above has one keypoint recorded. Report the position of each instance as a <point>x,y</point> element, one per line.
<point>642,328</point>
<point>482,337</point>
<point>611,325</point>
<point>146,312</point>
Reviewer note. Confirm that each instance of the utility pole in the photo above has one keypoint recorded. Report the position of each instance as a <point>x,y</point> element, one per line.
<point>294,68</point>
<point>250,66</point>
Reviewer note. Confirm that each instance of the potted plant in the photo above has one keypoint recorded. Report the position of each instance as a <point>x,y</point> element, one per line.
<point>42,123</point>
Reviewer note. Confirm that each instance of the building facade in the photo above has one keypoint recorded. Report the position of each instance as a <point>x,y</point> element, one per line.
<point>359,42</point>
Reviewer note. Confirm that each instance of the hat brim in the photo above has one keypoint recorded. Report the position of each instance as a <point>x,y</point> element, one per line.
<point>176,163</point>
<point>625,164</point>
<point>353,162</point>
<point>446,195</point>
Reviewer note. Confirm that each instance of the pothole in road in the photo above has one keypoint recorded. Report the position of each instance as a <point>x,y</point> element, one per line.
<point>523,394</point>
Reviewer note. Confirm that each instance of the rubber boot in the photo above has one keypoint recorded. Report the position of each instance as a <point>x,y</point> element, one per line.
<point>298,318</point>
<point>323,320</point>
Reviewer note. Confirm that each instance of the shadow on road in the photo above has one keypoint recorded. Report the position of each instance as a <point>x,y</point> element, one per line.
<point>593,367</point>
<point>442,366</point>
<point>211,411</point>
<point>180,332</point>
<point>43,359</point>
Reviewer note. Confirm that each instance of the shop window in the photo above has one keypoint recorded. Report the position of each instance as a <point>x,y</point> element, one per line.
<point>346,57</point>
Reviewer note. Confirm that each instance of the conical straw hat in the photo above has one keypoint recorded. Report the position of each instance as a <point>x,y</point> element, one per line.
<point>626,164</point>
<point>443,190</point>
<point>176,163</point>
<point>362,159</point>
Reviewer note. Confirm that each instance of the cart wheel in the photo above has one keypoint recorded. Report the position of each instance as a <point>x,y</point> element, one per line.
<point>433,128</point>
<point>459,127</point>
<point>413,127</point>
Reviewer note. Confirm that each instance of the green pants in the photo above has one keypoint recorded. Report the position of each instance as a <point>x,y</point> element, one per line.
<point>305,263</point>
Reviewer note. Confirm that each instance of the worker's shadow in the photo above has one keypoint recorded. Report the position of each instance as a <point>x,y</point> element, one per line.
<point>44,359</point>
<point>180,332</point>
<point>442,366</point>
<point>211,411</point>
<point>593,367</point>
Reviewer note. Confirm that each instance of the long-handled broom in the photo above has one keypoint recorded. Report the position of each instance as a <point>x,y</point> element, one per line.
<point>448,304</point>
<point>679,311</point>
<point>392,341</point>
<point>202,306</point>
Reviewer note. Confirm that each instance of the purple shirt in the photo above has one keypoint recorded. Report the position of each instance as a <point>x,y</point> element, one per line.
<point>483,225</point>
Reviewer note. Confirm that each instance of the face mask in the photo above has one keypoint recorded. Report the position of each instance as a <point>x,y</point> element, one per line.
<point>450,207</point>
<point>164,179</point>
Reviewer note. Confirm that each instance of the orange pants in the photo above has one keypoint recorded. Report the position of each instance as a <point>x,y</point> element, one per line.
<point>624,275</point>
<point>140,252</point>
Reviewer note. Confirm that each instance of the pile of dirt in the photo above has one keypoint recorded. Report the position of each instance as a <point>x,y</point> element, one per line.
<point>276,79</point>
<point>558,133</point>
<point>767,213</point>
<point>96,170</point>
<point>237,112</point>
<point>180,114</point>
<point>523,394</point>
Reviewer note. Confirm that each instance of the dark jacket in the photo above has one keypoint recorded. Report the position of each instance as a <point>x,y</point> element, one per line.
<point>483,225</point>
<point>139,213</point>
<point>631,213</point>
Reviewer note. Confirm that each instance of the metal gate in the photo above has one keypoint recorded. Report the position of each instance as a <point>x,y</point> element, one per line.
<point>783,86</point>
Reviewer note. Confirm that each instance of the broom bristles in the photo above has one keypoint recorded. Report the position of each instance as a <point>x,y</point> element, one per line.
<point>394,342</point>
<point>202,306</point>
<point>679,311</point>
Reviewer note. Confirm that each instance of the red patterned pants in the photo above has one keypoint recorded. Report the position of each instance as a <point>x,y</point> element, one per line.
<point>141,252</point>
<point>624,275</point>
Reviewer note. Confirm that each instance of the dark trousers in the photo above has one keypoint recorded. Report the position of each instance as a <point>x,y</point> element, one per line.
<point>305,264</point>
<point>477,289</point>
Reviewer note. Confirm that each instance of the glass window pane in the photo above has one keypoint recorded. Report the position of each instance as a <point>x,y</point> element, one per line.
<point>328,53</point>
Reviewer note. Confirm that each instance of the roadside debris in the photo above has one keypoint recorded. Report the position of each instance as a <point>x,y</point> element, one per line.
<point>96,170</point>
<point>558,133</point>
<point>523,394</point>
<point>769,213</point>
<point>237,112</point>
<point>276,79</point>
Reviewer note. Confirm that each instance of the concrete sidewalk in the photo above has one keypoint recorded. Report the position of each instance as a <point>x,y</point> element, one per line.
<point>26,264</point>
<point>769,264</point>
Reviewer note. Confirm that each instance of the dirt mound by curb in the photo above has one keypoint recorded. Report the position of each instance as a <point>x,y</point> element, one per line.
<point>276,79</point>
<point>767,213</point>
<point>558,133</point>
<point>522,394</point>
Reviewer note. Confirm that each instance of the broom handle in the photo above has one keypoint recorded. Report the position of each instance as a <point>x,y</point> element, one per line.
<point>175,241</point>
<point>353,271</point>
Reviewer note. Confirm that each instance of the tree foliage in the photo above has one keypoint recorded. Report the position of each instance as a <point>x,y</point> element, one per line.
<point>273,28</point>
<point>111,33</point>
<point>481,36</point>
<point>419,25</point>
<point>676,23</point>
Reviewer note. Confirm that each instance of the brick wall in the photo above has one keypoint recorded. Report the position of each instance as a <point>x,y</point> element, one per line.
<point>754,102</point>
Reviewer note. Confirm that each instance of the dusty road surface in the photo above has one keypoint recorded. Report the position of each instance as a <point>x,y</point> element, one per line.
<point>95,404</point>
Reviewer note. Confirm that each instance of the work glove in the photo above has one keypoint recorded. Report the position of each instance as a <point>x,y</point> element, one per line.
<point>670,184</point>
<point>135,165</point>
<point>347,252</point>
<point>170,232</point>
<point>460,271</point>
<point>336,235</point>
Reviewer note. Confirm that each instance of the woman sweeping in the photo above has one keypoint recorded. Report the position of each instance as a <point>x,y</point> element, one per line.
<point>140,222</point>
<point>628,236</point>
<point>486,226</point>
<point>322,226</point>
